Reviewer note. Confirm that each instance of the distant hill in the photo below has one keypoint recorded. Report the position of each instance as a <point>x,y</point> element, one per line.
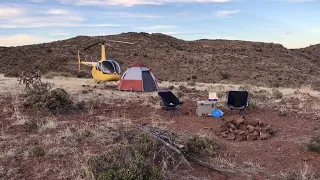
<point>172,59</point>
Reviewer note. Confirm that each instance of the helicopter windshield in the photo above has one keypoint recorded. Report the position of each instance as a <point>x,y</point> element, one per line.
<point>110,67</point>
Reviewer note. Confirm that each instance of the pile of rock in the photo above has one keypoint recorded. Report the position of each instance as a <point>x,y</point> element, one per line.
<point>241,130</point>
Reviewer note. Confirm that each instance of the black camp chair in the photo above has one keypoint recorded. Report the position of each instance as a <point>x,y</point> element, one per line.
<point>169,101</point>
<point>238,100</point>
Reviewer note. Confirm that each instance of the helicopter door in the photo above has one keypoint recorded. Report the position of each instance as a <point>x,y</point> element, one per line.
<point>107,67</point>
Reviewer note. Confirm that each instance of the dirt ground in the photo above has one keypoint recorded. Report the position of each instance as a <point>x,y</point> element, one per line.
<point>66,154</point>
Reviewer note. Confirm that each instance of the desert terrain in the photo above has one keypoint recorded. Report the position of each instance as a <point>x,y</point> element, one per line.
<point>207,61</point>
<point>36,144</point>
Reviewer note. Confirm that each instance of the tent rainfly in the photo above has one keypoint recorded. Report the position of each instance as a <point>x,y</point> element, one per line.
<point>138,77</point>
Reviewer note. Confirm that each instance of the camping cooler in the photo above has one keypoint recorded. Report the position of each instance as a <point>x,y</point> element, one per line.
<point>205,108</point>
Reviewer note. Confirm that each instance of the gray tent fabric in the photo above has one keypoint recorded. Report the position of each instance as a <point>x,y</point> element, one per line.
<point>148,82</point>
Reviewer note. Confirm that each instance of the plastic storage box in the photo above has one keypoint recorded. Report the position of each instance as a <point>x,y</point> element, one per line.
<point>204,108</point>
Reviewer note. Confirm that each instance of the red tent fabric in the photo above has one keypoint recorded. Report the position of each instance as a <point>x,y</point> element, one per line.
<point>138,77</point>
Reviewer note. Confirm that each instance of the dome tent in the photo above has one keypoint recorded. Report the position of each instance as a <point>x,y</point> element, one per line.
<point>138,77</point>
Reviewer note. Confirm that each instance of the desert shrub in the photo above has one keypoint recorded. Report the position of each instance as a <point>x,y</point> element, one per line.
<point>79,136</point>
<point>277,94</point>
<point>283,111</point>
<point>191,83</point>
<point>314,144</point>
<point>83,74</point>
<point>201,146</point>
<point>38,151</point>
<point>127,161</point>
<point>55,101</point>
<point>51,75</point>
<point>225,75</point>
<point>11,74</point>
<point>138,155</point>
<point>252,103</point>
<point>34,125</point>
<point>180,94</point>
<point>171,87</point>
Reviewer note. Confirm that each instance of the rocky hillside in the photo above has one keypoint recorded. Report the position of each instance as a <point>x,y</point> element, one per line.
<point>173,59</point>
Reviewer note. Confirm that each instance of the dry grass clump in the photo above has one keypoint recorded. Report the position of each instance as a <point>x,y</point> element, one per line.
<point>305,173</point>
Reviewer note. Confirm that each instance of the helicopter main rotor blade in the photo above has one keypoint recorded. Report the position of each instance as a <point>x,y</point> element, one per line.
<point>120,42</point>
<point>91,46</point>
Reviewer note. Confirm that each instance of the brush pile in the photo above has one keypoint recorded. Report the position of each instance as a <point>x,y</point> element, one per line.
<point>244,130</point>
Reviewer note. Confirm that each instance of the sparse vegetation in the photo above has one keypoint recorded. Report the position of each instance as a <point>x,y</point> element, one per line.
<point>277,94</point>
<point>201,146</point>
<point>51,75</point>
<point>38,151</point>
<point>191,83</point>
<point>283,111</point>
<point>34,125</point>
<point>314,144</point>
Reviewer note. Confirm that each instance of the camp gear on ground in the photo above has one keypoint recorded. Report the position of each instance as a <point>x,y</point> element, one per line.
<point>213,96</point>
<point>138,77</point>
<point>169,100</point>
<point>217,113</point>
<point>205,108</point>
<point>238,100</point>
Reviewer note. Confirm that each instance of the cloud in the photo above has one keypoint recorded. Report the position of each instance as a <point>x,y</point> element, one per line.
<point>6,11</point>
<point>22,39</point>
<point>57,12</point>
<point>226,13</point>
<point>299,0</point>
<point>136,2</point>
<point>156,27</point>
<point>131,15</point>
<point>287,33</point>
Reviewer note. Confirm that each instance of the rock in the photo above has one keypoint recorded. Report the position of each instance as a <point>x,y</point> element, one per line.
<point>250,128</point>
<point>231,136</point>
<point>266,128</point>
<point>232,126</point>
<point>240,137</point>
<point>264,135</point>
<point>246,132</point>
<point>231,130</point>
<point>256,133</point>
<point>243,127</point>
<point>251,137</point>
<point>251,122</point>
<point>224,134</point>
<point>238,121</point>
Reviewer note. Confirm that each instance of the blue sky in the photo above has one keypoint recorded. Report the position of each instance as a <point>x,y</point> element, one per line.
<point>293,23</point>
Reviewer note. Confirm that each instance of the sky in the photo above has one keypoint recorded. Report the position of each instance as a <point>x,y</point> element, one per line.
<point>292,23</point>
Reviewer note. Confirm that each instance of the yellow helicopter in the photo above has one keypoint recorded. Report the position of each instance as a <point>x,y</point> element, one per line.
<point>103,70</point>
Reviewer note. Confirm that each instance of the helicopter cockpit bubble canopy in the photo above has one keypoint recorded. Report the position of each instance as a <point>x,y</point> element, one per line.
<point>110,67</point>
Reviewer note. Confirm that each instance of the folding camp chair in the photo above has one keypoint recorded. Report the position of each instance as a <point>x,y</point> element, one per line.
<point>238,100</point>
<point>169,101</point>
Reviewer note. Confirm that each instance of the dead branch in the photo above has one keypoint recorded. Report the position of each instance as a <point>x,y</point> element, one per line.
<point>167,145</point>
<point>209,166</point>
